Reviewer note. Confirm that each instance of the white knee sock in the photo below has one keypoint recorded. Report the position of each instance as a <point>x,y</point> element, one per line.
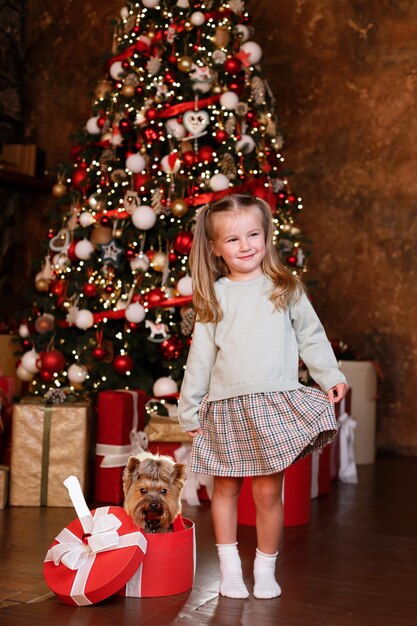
<point>264,572</point>
<point>231,578</point>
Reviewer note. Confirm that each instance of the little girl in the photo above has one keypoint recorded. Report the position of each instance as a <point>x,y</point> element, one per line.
<point>241,399</point>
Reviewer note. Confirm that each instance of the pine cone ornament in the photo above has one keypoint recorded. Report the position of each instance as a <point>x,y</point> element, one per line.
<point>187,323</point>
<point>228,166</point>
<point>258,90</point>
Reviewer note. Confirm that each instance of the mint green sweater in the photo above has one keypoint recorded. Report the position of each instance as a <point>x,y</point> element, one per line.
<point>254,348</point>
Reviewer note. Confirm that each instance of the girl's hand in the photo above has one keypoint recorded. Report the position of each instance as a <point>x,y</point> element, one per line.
<point>194,433</point>
<point>336,393</point>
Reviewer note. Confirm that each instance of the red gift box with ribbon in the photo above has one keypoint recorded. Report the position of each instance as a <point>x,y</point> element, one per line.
<point>120,424</point>
<point>169,565</point>
<point>295,495</point>
<point>95,555</point>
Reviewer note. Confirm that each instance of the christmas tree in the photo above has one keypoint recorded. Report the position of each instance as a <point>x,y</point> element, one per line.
<point>182,116</point>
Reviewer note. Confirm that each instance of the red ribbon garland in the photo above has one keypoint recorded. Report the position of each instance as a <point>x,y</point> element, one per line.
<point>118,315</point>
<point>256,187</point>
<point>139,46</point>
<point>177,109</point>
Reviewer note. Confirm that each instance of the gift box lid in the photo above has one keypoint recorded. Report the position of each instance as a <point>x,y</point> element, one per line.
<point>95,555</point>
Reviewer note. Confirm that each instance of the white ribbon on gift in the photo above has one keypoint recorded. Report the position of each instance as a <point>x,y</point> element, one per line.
<point>347,425</point>
<point>118,456</point>
<point>194,481</point>
<point>102,533</point>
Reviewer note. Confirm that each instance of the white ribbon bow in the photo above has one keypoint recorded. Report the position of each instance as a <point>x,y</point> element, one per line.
<point>101,534</point>
<point>73,552</point>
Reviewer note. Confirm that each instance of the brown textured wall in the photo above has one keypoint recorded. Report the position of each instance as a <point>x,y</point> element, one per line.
<point>345,76</point>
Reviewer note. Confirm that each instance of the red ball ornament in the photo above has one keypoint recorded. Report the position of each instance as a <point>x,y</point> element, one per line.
<point>250,116</point>
<point>150,253</point>
<point>99,353</point>
<point>151,134</point>
<point>189,158</point>
<point>101,121</point>
<point>172,59</point>
<point>46,376</point>
<point>172,257</point>
<point>221,136</point>
<point>151,114</point>
<point>71,251</point>
<point>232,65</point>
<point>125,126</point>
<point>140,180</point>
<point>154,297</point>
<point>169,78</point>
<point>139,90</point>
<point>281,195</point>
<point>206,154</point>
<point>130,254</point>
<point>52,361</point>
<point>90,290</point>
<point>183,242</point>
<point>123,364</point>
<point>105,221</point>
<point>292,260</point>
<point>109,289</point>
<point>58,287</point>
<point>292,198</point>
<point>171,348</point>
<point>125,64</point>
<point>80,178</point>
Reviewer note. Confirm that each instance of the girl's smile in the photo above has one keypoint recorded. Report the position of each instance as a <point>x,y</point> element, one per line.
<point>240,241</point>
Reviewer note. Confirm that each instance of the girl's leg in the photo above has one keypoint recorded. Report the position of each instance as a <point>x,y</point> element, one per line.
<point>224,514</point>
<point>267,494</point>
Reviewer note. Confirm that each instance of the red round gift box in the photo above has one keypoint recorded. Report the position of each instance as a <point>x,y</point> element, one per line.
<point>169,564</point>
<point>110,570</point>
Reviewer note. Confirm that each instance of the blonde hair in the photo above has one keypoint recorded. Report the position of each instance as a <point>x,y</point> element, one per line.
<point>206,267</point>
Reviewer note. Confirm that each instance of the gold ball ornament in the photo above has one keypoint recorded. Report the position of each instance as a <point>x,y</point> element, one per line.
<point>159,261</point>
<point>128,91</point>
<point>59,190</point>
<point>217,89</point>
<point>221,37</point>
<point>101,234</point>
<point>42,284</point>
<point>185,64</point>
<point>118,233</point>
<point>179,207</point>
<point>188,26</point>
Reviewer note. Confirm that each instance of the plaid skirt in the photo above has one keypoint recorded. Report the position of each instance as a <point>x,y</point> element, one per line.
<point>261,433</point>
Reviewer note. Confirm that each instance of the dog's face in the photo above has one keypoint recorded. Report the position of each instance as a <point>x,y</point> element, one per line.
<point>152,486</point>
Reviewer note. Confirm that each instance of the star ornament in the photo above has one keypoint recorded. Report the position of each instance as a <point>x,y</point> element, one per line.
<point>110,252</point>
<point>244,58</point>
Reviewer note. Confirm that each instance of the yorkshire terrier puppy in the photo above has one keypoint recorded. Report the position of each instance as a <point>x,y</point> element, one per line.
<point>152,486</point>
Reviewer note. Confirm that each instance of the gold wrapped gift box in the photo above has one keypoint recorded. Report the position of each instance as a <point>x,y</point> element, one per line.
<point>49,443</point>
<point>165,429</point>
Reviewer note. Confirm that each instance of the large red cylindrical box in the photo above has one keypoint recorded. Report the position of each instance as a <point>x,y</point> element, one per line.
<point>296,496</point>
<point>169,565</point>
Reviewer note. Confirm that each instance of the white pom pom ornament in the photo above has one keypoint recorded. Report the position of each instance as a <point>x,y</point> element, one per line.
<point>30,361</point>
<point>77,373</point>
<point>86,219</point>
<point>185,286</point>
<point>164,386</point>
<point>140,262</point>
<point>175,129</point>
<point>135,313</point>
<point>218,182</point>
<point>84,319</point>
<point>116,70</point>
<point>143,217</point>
<point>83,249</point>
<point>92,127</point>
<point>150,4</point>
<point>229,100</point>
<point>245,144</point>
<point>135,163</point>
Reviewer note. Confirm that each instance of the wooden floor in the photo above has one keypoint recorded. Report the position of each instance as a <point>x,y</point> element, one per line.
<point>355,564</point>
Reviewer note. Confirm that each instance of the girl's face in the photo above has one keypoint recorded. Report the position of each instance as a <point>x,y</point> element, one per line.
<point>240,241</point>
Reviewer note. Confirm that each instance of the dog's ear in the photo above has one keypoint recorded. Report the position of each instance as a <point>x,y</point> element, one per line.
<point>130,473</point>
<point>179,474</point>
